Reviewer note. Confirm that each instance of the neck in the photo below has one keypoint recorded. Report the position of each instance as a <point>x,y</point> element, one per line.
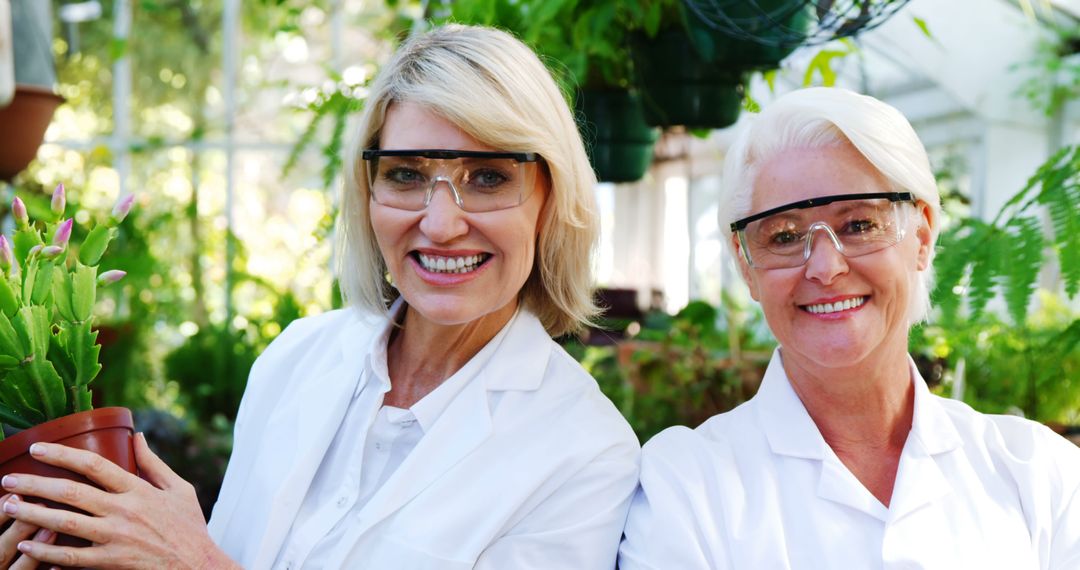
<point>423,354</point>
<point>864,413</point>
<point>868,404</point>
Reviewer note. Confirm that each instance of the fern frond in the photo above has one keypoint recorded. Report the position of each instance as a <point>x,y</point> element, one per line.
<point>950,266</point>
<point>986,263</point>
<point>306,138</point>
<point>1020,264</point>
<point>1061,202</point>
<point>1045,172</point>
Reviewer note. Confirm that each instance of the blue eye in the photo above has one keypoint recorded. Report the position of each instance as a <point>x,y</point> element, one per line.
<point>403,176</point>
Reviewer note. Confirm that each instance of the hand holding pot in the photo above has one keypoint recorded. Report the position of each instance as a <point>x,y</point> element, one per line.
<point>16,532</point>
<point>133,523</point>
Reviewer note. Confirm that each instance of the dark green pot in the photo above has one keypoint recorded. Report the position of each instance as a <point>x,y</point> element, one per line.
<point>759,18</point>
<point>619,141</point>
<point>679,87</point>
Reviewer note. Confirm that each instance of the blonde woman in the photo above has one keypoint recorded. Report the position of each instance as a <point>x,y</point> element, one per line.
<point>434,424</point>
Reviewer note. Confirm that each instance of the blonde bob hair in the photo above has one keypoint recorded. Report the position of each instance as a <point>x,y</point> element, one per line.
<point>495,89</point>
<point>826,116</point>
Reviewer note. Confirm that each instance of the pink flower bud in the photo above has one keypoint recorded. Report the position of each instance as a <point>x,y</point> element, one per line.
<point>63,233</point>
<point>34,250</point>
<point>18,209</point>
<point>51,251</point>
<point>111,276</point>
<point>59,199</point>
<point>6,256</point>
<point>121,209</point>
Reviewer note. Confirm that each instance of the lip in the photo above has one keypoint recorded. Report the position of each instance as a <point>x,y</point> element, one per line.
<point>839,315</point>
<point>446,279</point>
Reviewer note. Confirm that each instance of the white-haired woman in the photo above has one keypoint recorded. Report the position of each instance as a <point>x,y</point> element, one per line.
<point>844,459</point>
<point>435,424</point>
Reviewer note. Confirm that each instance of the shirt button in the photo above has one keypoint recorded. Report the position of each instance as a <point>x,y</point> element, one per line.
<point>342,501</point>
<point>289,565</point>
<point>378,446</point>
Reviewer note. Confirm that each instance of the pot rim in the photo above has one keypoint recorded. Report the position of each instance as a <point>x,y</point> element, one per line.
<point>66,426</point>
<point>37,91</point>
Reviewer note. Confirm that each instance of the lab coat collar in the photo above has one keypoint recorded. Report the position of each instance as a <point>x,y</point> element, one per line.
<point>784,419</point>
<point>919,480</point>
<point>518,363</point>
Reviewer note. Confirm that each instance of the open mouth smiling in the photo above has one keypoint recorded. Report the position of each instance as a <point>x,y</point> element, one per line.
<point>450,264</point>
<point>838,306</point>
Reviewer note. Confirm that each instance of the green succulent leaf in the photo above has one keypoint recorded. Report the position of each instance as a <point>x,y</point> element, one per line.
<point>10,342</point>
<point>9,416</point>
<point>8,301</point>
<point>62,295</point>
<point>80,342</point>
<point>41,290</point>
<point>62,361</point>
<point>95,244</point>
<point>24,240</point>
<point>84,291</point>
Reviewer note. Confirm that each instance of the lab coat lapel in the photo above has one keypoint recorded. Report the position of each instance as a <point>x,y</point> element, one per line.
<point>317,407</point>
<point>518,363</point>
<point>464,424</point>
<point>919,479</point>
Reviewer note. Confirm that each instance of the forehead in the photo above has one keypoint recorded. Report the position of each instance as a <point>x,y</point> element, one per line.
<point>410,125</point>
<point>800,173</point>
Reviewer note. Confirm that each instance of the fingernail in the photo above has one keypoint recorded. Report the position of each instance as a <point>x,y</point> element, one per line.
<point>10,507</point>
<point>37,449</point>
<point>9,481</point>
<point>25,547</point>
<point>43,535</point>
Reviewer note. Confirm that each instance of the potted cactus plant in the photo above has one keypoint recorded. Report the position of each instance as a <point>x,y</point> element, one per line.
<point>48,346</point>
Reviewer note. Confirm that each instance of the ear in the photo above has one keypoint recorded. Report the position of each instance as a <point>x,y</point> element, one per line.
<point>744,267</point>
<point>924,233</point>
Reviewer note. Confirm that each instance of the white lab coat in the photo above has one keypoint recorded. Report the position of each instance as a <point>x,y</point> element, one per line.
<point>530,466</point>
<point>758,487</point>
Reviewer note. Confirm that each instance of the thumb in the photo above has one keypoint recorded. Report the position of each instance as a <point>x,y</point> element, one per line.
<point>151,466</point>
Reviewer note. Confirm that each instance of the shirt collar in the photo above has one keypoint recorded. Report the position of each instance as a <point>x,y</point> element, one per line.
<point>431,406</point>
<point>791,431</point>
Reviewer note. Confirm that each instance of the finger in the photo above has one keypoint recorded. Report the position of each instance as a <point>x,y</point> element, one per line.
<point>77,557</point>
<point>87,463</point>
<point>64,491</point>
<point>10,538</point>
<point>65,522</point>
<point>43,536</point>
<point>152,467</point>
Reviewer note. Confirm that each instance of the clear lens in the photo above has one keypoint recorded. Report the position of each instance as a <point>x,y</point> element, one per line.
<point>857,227</point>
<point>476,184</point>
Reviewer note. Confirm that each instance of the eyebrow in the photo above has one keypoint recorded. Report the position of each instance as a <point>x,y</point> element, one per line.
<point>445,154</point>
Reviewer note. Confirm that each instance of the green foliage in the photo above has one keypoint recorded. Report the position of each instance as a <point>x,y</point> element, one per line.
<point>1053,78</point>
<point>48,348</point>
<point>1034,368</point>
<point>979,260</point>
<point>336,105</point>
<point>679,369</point>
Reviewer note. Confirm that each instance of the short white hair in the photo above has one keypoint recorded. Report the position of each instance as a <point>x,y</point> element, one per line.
<point>819,117</point>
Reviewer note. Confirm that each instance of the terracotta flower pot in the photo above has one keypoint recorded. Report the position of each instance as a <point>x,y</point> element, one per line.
<point>105,431</point>
<point>22,127</point>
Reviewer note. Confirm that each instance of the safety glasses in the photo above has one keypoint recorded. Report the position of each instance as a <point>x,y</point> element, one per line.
<point>857,224</point>
<point>478,181</point>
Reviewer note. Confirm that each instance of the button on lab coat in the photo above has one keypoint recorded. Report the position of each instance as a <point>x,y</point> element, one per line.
<point>529,466</point>
<point>758,487</point>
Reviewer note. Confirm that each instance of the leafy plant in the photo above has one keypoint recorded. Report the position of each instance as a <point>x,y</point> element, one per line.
<point>1054,78</point>
<point>679,369</point>
<point>48,348</point>
<point>979,260</point>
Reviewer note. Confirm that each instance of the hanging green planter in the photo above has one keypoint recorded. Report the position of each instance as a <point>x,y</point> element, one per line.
<point>619,141</point>
<point>761,44</point>
<point>680,87</point>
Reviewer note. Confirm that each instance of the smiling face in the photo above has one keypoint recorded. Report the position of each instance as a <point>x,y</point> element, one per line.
<point>452,266</point>
<point>835,311</point>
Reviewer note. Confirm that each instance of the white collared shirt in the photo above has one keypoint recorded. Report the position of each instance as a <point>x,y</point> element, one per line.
<point>758,487</point>
<point>346,480</point>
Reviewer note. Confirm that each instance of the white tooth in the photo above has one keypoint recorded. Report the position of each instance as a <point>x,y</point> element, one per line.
<point>441,264</point>
<point>847,304</point>
<point>424,260</point>
<point>459,262</point>
<point>470,260</point>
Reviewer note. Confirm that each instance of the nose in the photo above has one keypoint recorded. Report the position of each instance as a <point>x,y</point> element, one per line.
<point>825,263</point>
<point>443,221</point>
